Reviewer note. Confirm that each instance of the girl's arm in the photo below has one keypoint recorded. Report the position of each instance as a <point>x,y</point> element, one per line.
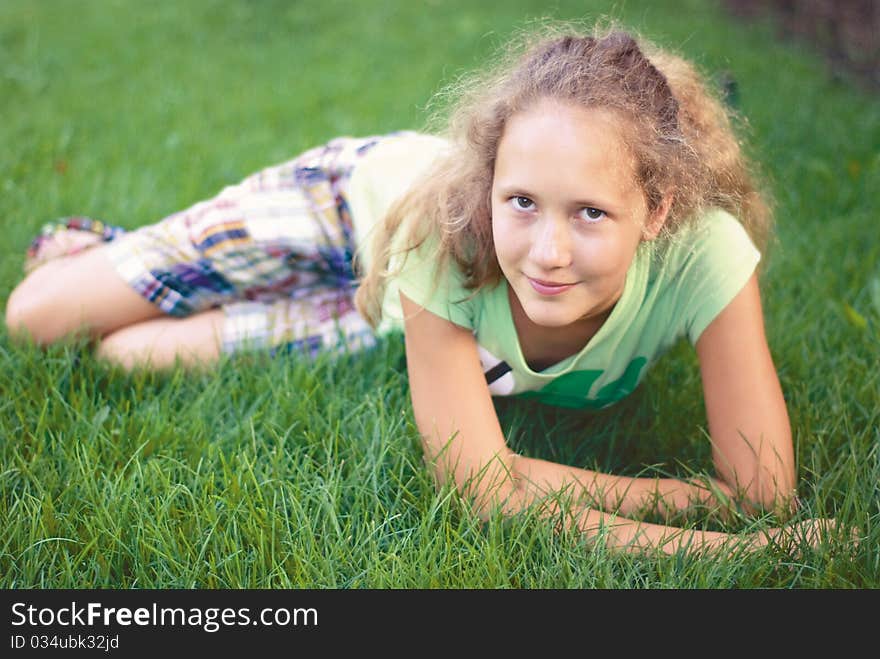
<point>461,435</point>
<point>748,421</point>
<point>463,441</point>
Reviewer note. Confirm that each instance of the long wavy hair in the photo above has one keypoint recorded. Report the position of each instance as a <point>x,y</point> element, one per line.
<point>679,134</point>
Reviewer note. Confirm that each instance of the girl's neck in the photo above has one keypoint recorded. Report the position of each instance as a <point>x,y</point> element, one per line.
<point>542,347</point>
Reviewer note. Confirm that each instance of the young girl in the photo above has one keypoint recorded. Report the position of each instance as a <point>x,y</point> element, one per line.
<point>588,206</point>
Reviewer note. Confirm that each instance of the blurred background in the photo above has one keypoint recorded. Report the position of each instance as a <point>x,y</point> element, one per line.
<point>846,32</point>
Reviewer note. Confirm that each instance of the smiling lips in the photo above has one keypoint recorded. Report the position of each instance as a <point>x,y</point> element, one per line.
<point>548,287</point>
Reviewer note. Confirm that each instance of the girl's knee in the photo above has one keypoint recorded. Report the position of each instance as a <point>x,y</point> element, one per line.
<point>164,342</point>
<point>128,348</point>
<point>18,313</point>
<point>132,347</point>
<point>123,348</point>
<point>80,294</point>
<point>31,313</point>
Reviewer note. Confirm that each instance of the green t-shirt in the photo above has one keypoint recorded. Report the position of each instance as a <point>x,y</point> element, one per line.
<point>674,288</point>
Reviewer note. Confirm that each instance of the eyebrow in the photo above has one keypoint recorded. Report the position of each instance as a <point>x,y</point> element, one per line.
<point>518,190</point>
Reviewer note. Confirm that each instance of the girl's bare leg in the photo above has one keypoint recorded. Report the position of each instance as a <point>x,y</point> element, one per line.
<point>84,293</point>
<point>160,342</point>
<point>78,293</point>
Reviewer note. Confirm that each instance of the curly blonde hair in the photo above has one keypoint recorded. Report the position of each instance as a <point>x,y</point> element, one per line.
<point>679,134</point>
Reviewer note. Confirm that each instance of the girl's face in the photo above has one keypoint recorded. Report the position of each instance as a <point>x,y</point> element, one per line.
<point>567,214</point>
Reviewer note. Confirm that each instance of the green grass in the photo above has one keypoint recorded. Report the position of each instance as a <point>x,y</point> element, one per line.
<point>286,474</point>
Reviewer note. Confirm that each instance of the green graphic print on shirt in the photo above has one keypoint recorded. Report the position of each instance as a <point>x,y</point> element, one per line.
<point>570,390</point>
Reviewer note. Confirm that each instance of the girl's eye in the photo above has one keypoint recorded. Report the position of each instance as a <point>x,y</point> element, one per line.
<point>522,203</point>
<point>592,214</point>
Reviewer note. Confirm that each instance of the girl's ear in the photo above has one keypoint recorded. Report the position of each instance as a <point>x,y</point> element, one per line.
<point>657,218</point>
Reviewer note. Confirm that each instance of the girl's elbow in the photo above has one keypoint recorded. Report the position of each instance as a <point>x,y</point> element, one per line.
<point>777,490</point>
<point>491,493</point>
<point>502,501</point>
<point>782,501</point>
<point>767,492</point>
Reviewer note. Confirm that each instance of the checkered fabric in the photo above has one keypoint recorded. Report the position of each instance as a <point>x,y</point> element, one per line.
<point>274,251</point>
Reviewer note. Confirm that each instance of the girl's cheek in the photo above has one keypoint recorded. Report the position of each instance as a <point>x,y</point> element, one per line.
<point>504,250</point>
<point>508,237</point>
<point>601,255</point>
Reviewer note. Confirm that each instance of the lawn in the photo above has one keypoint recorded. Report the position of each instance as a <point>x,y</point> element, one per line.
<point>283,473</point>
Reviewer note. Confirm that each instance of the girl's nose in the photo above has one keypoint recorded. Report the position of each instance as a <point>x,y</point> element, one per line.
<point>551,244</point>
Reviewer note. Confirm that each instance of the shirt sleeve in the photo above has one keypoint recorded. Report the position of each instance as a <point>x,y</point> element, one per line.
<point>721,262</point>
<point>439,291</point>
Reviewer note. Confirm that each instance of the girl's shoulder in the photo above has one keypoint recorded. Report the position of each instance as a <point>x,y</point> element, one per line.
<point>387,171</point>
<point>700,268</point>
<point>391,165</point>
<point>394,151</point>
<point>708,241</point>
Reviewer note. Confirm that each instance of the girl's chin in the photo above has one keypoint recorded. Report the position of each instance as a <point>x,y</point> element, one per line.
<point>552,314</point>
<point>556,311</point>
<point>551,318</point>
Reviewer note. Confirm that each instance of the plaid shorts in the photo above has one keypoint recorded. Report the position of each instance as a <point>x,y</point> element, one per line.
<point>274,251</point>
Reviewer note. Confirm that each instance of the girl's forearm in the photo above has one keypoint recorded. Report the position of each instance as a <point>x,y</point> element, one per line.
<point>620,494</point>
<point>621,533</point>
<point>633,536</point>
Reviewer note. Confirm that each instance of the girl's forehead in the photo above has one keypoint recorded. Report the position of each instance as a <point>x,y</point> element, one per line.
<point>566,146</point>
<point>551,122</point>
<point>562,109</point>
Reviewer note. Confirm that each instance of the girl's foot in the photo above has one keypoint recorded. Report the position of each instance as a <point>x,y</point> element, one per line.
<point>65,238</point>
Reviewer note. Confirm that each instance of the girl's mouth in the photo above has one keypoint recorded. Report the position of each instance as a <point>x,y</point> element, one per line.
<point>548,287</point>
